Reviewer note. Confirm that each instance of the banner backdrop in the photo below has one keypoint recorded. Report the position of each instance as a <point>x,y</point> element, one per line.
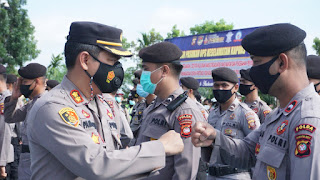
<point>205,52</point>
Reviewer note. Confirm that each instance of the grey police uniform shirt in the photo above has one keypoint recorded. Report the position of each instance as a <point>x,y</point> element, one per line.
<point>236,122</point>
<point>157,120</point>
<point>119,116</point>
<point>70,138</point>
<point>286,144</point>
<point>6,148</point>
<point>260,108</point>
<point>203,110</point>
<point>137,113</point>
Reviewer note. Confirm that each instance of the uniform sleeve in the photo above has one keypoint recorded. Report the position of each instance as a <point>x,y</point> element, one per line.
<point>238,153</point>
<point>5,142</point>
<point>73,147</point>
<point>303,149</point>
<point>186,164</point>
<point>125,132</point>
<point>250,121</point>
<point>12,114</point>
<point>265,110</point>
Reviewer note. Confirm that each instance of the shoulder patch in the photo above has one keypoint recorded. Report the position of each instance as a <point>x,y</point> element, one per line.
<point>291,106</point>
<point>303,143</point>
<point>282,128</point>
<point>69,116</point>
<point>76,96</point>
<point>304,127</point>
<point>184,116</point>
<point>185,128</point>
<point>250,116</point>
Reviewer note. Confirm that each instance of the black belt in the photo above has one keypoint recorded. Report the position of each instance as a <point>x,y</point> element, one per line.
<point>25,149</point>
<point>217,171</point>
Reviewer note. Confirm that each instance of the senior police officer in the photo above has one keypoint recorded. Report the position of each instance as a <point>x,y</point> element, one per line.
<point>70,134</point>
<point>252,99</point>
<point>285,145</point>
<point>172,109</point>
<point>313,71</point>
<point>6,148</point>
<point>32,85</point>
<point>191,85</point>
<point>232,118</point>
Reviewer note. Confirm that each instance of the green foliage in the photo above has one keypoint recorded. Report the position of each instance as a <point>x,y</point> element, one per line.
<point>316,45</point>
<point>17,42</point>
<point>175,33</point>
<point>148,39</point>
<point>56,70</point>
<point>206,92</point>
<point>269,99</point>
<point>210,27</point>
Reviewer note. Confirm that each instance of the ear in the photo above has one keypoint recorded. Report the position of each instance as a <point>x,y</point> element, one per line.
<point>283,62</point>
<point>236,87</point>
<point>83,58</point>
<point>253,87</point>
<point>166,70</point>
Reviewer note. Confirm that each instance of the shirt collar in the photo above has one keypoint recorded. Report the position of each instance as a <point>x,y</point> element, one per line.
<point>73,92</point>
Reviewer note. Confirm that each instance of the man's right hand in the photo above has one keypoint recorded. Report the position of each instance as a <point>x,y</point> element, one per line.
<point>172,143</point>
<point>3,173</point>
<point>203,134</point>
<point>16,89</point>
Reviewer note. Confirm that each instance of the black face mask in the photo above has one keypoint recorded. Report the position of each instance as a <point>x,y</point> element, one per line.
<point>262,78</point>
<point>25,90</point>
<point>222,96</point>
<point>134,94</point>
<point>315,87</point>
<point>245,89</point>
<point>108,78</point>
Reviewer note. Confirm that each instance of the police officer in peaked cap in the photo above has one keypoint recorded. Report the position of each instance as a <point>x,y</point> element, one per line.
<point>285,145</point>
<point>72,134</point>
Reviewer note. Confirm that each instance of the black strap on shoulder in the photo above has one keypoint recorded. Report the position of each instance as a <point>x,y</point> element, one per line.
<point>177,101</point>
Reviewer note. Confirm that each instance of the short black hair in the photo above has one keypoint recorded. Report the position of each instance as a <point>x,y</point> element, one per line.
<point>72,50</point>
<point>176,68</point>
<point>299,54</point>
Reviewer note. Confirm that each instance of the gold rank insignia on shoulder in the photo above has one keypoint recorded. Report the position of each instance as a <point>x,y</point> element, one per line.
<point>76,96</point>
<point>95,138</point>
<point>69,116</point>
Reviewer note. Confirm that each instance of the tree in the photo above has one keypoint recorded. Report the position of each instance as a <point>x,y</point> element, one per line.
<point>316,45</point>
<point>175,33</point>
<point>149,38</point>
<point>55,70</point>
<point>17,42</point>
<point>210,27</point>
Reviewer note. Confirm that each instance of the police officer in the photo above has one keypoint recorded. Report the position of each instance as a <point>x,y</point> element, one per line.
<point>191,85</point>
<point>11,78</point>
<point>70,134</point>
<point>313,71</point>
<point>232,118</point>
<point>32,85</point>
<point>6,148</point>
<point>252,99</point>
<point>285,146</point>
<point>172,109</point>
<point>116,112</point>
<point>51,84</point>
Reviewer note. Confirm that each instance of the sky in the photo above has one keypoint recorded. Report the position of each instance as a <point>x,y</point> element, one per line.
<point>52,19</point>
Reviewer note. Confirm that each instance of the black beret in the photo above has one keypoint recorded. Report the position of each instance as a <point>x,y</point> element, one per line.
<point>164,52</point>
<point>137,74</point>
<point>32,71</point>
<point>273,39</point>
<point>135,81</point>
<point>52,83</point>
<point>106,37</point>
<point>224,74</point>
<point>190,82</point>
<point>11,78</point>
<point>3,69</point>
<point>245,74</point>
<point>313,66</point>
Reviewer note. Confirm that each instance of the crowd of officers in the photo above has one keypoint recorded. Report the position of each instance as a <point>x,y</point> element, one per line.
<point>79,129</point>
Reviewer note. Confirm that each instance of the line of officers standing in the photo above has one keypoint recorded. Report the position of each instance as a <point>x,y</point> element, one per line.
<point>78,130</point>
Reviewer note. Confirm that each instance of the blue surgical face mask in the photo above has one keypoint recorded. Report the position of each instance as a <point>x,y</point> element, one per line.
<point>146,83</point>
<point>132,103</point>
<point>141,92</point>
<point>118,99</point>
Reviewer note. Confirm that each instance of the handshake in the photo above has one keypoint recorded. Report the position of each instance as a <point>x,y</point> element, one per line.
<point>203,135</point>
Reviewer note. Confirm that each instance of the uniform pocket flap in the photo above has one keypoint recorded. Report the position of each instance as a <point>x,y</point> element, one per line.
<point>154,132</point>
<point>271,156</point>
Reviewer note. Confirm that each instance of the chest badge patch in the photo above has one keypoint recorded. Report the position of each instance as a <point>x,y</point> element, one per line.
<point>228,131</point>
<point>303,143</point>
<point>304,127</point>
<point>109,114</point>
<point>87,115</point>
<point>271,173</point>
<point>257,149</point>
<point>282,128</point>
<point>76,96</point>
<point>232,116</point>
<point>266,112</point>
<point>95,138</point>
<point>256,110</point>
<point>1,108</point>
<point>291,106</point>
<point>69,116</point>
